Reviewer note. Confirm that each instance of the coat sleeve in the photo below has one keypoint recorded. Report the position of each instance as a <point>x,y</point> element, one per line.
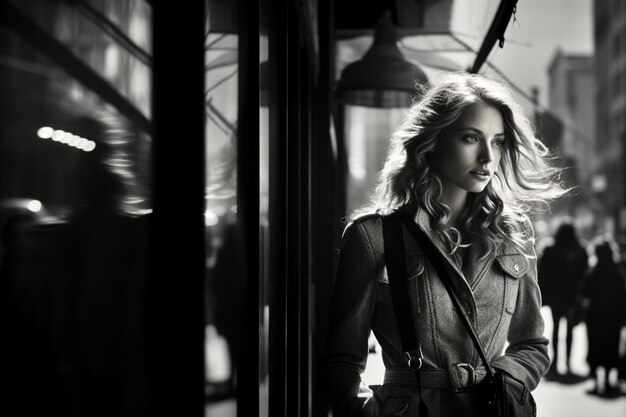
<point>351,312</point>
<point>526,356</point>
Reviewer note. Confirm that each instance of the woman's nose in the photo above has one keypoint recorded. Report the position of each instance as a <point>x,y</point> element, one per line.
<point>485,154</point>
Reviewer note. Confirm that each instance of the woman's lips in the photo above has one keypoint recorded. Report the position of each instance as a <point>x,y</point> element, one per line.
<point>481,173</point>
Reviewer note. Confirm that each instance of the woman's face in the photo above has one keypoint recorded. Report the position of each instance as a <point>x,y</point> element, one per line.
<point>468,152</point>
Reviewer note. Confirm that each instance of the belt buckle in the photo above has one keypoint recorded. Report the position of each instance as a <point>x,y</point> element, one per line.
<point>471,377</point>
<point>413,361</point>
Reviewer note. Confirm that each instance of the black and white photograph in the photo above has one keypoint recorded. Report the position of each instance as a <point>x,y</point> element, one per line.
<point>313,208</point>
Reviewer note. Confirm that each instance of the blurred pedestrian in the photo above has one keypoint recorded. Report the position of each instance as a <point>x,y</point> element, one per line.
<point>461,167</point>
<point>560,271</point>
<point>604,289</point>
<point>103,350</point>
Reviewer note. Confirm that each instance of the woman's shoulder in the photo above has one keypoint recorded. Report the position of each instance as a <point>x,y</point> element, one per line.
<point>366,229</point>
<point>364,221</point>
<point>522,235</point>
<point>368,217</point>
<point>525,227</point>
<point>364,234</point>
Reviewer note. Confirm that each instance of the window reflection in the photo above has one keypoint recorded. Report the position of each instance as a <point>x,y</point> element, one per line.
<point>113,38</point>
<point>73,210</point>
<point>368,132</point>
<point>264,225</point>
<point>224,286</point>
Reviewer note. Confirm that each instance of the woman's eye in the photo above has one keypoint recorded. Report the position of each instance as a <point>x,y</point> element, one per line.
<point>498,143</point>
<point>470,138</point>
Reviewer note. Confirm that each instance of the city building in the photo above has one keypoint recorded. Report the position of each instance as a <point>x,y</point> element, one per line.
<point>567,128</point>
<point>572,86</point>
<point>610,96</point>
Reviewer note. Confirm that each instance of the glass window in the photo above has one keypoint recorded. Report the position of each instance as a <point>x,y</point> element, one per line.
<point>74,195</point>
<point>224,286</point>
<point>368,134</point>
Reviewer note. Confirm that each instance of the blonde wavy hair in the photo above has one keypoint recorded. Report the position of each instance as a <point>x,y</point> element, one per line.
<point>496,215</point>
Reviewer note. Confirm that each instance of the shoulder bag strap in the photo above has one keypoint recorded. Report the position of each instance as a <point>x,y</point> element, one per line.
<point>444,270</point>
<point>396,271</point>
<point>398,284</point>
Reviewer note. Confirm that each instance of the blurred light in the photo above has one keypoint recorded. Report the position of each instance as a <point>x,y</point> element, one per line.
<point>67,138</point>
<point>45,132</point>
<point>34,206</point>
<point>210,219</point>
<point>138,29</point>
<point>73,140</point>
<point>120,163</point>
<point>139,86</point>
<point>77,92</point>
<point>58,135</point>
<point>90,146</point>
<point>111,61</point>
<point>264,84</point>
<point>598,183</point>
<point>357,137</point>
<point>80,144</point>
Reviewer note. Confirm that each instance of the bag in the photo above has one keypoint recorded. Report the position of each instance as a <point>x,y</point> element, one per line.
<point>503,395</point>
<point>500,394</point>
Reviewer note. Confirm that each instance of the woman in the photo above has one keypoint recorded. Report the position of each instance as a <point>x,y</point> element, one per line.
<point>467,164</point>
<point>604,289</point>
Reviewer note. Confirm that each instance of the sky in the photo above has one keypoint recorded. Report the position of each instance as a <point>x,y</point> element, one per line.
<point>542,26</point>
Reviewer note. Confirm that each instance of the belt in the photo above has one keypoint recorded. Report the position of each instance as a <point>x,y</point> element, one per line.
<point>460,377</point>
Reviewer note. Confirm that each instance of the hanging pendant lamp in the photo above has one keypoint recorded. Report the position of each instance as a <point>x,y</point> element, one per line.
<point>382,78</point>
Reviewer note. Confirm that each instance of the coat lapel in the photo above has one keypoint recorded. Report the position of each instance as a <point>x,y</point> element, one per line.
<point>476,267</point>
<point>423,221</point>
<point>473,268</point>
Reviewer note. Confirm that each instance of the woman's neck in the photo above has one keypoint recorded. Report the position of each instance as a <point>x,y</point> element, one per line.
<point>455,199</point>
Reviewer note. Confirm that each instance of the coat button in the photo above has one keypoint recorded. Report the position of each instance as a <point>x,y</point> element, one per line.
<point>516,267</point>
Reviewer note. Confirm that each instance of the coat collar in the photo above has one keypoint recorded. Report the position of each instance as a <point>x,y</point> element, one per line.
<point>473,268</point>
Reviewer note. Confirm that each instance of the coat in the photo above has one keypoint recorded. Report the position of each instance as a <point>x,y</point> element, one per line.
<point>502,298</point>
<point>561,269</point>
<point>605,288</point>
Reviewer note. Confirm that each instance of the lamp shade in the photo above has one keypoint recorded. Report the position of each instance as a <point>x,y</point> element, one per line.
<point>383,77</point>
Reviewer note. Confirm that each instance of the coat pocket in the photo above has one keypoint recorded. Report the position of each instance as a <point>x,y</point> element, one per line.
<point>514,265</point>
<point>394,399</point>
<point>395,406</point>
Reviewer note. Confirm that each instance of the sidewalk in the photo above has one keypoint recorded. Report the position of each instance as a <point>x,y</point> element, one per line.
<point>567,396</point>
<point>555,399</point>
